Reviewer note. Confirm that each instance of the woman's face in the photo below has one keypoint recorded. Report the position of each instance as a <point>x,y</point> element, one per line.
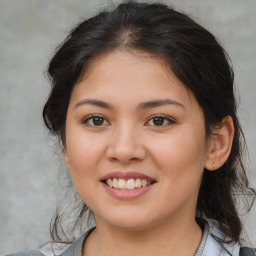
<point>135,142</point>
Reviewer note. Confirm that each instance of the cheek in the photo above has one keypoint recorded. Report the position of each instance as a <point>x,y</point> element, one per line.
<point>83,149</point>
<point>181,155</point>
<point>181,161</point>
<point>84,154</point>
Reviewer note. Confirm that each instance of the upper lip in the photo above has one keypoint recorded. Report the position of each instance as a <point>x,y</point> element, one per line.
<point>126,176</point>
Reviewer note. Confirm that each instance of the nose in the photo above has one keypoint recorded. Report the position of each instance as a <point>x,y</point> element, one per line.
<point>126,145</point>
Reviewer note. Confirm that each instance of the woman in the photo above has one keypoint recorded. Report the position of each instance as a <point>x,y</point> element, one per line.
<point>142,101</point>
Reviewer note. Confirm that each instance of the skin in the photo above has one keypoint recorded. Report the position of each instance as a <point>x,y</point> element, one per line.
<point>175,153</point>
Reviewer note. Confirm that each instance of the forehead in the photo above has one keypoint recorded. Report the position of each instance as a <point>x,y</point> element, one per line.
<point>136,73</point>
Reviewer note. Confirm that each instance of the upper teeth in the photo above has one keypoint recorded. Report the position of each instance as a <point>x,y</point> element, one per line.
<point>127,184</point>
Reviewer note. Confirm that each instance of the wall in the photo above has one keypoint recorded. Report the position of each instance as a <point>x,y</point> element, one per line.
<point>30,30</point>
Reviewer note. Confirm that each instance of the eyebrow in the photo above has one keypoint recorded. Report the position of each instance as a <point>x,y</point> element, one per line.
<point>141,106</point>
<point>98,103</point>
<point>158,103</point>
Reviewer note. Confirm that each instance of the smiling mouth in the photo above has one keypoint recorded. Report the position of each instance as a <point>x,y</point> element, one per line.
<point>129,184</point>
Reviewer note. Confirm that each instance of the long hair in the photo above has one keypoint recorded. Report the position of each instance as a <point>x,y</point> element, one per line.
<point>194,56</point>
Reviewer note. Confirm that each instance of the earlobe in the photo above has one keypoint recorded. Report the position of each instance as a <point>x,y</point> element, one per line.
<point>220,144</point>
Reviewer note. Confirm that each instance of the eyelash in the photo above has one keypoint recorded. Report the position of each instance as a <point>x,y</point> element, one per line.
<point>164,118</point>
<point>91,117</point>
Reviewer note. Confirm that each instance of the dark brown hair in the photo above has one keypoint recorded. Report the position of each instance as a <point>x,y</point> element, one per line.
<point>195,57</point>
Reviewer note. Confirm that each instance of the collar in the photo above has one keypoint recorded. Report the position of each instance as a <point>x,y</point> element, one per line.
<point>75,249</point>
<point>210,244</point>
<point>214,245</point>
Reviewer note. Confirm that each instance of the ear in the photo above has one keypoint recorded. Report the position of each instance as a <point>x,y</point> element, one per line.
<point>220,144</point>
<point>66,158</point>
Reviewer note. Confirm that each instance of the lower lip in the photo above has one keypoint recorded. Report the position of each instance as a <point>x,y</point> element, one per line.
<point>127,194</point>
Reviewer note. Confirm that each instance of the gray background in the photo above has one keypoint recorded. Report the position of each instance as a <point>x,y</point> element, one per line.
<point>29,31</point>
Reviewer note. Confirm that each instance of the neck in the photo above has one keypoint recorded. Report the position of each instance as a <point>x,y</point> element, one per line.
<point>169,238</point>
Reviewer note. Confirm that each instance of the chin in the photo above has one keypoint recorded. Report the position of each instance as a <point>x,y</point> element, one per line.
<point>131,225</point>
<point>127,220</point>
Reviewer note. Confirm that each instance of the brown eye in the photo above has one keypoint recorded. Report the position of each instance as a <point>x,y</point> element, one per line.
<point>98,121</point>
<point>95,121</point>
<point>160,121</point>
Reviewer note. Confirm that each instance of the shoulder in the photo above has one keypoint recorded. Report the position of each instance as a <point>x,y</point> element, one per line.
<point>48,249</point>
<point>215,243</point>
<point>27,253</point>
<point>75,249</point>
